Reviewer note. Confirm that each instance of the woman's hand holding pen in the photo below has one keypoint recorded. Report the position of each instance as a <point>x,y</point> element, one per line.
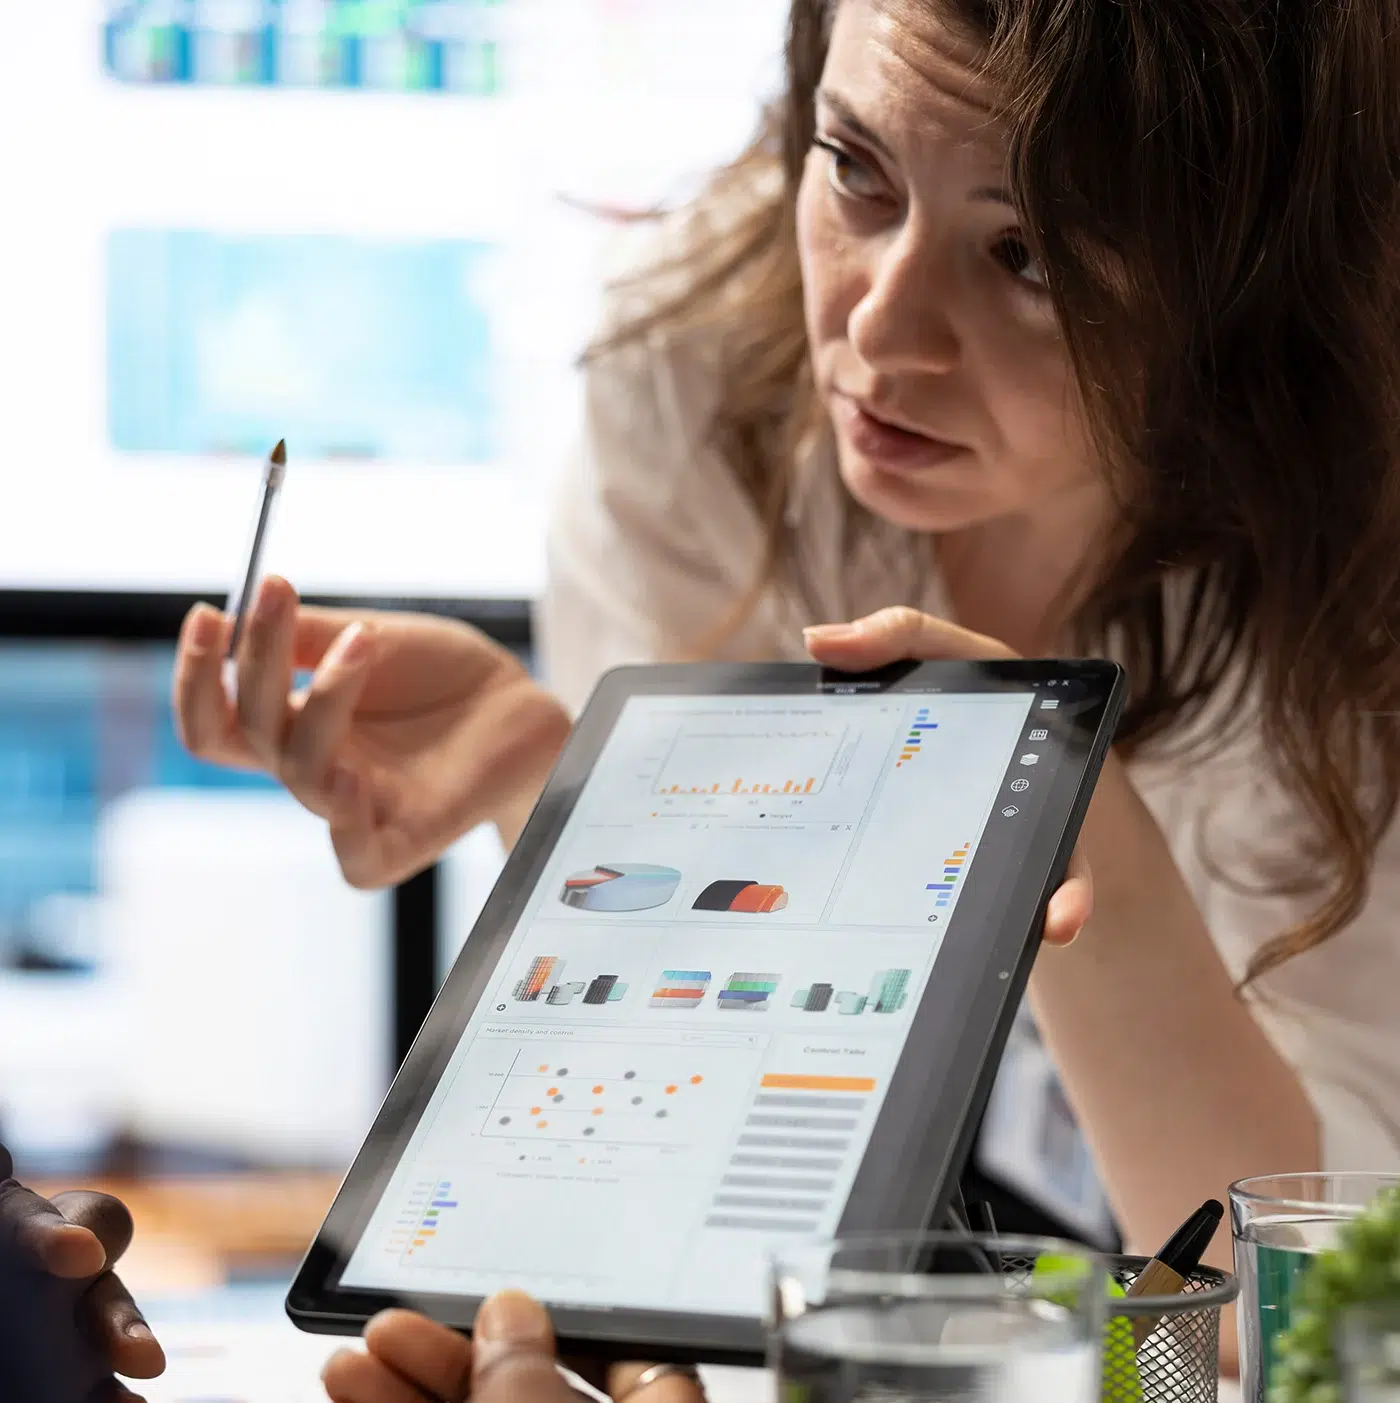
<point>412,730</point>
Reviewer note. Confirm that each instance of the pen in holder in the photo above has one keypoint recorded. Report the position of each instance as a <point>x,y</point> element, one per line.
<point>1177,1359</point>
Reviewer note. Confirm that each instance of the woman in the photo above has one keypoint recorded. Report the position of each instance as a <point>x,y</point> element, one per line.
<point>1065,327</point>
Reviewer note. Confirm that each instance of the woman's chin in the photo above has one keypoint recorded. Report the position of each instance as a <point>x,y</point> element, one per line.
<point>933,502</point>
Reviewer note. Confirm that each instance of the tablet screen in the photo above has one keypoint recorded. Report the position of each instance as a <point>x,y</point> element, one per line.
<point>691,1031</point>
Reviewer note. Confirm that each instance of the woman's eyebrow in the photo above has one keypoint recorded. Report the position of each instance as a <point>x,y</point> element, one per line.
<point>841,109</point>
<point>846,113</point>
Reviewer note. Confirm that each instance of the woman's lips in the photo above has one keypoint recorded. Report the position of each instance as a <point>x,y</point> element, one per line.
<point>887,447</point>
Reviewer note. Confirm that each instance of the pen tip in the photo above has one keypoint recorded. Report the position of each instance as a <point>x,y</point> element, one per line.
<point>279,454</point>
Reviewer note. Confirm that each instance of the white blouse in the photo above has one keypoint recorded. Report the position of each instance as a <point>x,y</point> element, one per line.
<point>652,542</point>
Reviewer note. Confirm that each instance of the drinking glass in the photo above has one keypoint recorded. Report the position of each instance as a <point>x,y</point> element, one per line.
<point>939,1318</point>
<point>1280,1223</point>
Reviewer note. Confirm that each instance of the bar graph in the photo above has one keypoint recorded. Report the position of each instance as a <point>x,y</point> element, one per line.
<point>748,993</point>
<point>421,1216</point>
<point>914,738</point>
<point>743,763</point>
<point>953,867</point>
<point>783,1173</point>
<point>681,988</point>
<point>544,983</point>
<point>888,993</point>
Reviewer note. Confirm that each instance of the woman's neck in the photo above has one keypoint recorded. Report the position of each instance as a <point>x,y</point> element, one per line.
<point>1019,578</point>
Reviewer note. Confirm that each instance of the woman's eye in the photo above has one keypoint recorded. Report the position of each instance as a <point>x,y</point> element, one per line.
<point>1011,252</point>
<point>847,174</point>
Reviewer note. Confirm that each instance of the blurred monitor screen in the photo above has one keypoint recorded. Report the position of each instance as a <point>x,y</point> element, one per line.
<point>183,971</point>
<point>372,227</point>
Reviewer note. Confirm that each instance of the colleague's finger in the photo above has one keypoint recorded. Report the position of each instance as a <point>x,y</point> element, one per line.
<point>321,724</point>
<point>113,1391</point>
<point>669,1388</point>
<point>115,1327</point>
<point>109,1218</point>
<point>264,669</point>
<point>895,633</point>
<point>204,717</point>
<point>39,1228</point>
<point>513,1353</point>
<point>352,1377</point>
<point>430,1356</point>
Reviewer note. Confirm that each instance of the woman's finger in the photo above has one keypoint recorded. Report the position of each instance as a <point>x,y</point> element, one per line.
<point>204,716</point>
<point>896,633</point>
<point>353,1377</point>
<point>321,725</point>
<point>1070,907</point>
<point>264,666</point>
<point>430,1356</point>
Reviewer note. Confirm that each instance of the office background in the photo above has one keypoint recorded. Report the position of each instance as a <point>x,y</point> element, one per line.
<point>380,230</point>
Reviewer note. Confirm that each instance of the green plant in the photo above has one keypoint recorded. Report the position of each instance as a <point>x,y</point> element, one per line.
<point>1363,1269</point>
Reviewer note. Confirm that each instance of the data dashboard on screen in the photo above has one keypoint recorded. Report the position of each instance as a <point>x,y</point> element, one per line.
<point>692,1030</point>
<point>374,229</point>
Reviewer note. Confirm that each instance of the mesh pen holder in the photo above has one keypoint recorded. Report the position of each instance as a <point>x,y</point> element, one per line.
<point>1179,1362</point>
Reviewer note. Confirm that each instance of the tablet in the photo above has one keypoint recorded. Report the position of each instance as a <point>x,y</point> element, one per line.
<point>745,978</point>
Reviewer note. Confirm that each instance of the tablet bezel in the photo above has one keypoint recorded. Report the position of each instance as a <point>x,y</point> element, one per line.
<point>912,1160</point>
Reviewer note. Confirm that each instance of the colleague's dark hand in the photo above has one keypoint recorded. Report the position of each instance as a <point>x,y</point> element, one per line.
<point>67,1324</point>
<point>509,1359</point>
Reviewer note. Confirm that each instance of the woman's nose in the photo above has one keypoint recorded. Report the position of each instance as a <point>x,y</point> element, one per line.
<point>902,322</point>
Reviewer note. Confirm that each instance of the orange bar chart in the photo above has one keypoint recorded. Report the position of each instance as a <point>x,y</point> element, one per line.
<point>788,786</point>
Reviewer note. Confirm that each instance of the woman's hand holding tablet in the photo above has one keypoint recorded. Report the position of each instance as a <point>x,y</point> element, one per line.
<point>900,632</point>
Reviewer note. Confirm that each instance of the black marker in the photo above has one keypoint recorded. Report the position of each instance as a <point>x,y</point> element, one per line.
<point>1166,1274</point>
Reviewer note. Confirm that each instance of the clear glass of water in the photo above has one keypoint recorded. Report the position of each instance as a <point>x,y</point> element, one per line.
<point>1280,1223</point>
<point>938,1318</point>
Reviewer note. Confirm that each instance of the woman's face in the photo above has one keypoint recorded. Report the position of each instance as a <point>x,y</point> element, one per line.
<point>933,339</point>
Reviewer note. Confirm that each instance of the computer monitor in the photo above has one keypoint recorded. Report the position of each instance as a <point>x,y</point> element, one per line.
<point>186,981</point>
<point>367,228</point>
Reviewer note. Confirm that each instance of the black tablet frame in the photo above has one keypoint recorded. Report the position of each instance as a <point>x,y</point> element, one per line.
<point>937,1094</point>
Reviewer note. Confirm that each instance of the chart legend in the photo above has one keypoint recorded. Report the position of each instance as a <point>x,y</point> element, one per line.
<point>953,866</point>
<point>914,739</point>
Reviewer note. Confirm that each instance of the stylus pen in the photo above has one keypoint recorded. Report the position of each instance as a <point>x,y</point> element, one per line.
<point>582,1386</point>
<point>244,589</point>
<point>1166,1273</point>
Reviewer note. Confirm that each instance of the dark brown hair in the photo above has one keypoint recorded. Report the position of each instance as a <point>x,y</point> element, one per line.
<point>1214,188</point>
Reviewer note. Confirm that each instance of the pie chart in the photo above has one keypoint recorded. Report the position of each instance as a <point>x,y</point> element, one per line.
<point>620,886</point>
